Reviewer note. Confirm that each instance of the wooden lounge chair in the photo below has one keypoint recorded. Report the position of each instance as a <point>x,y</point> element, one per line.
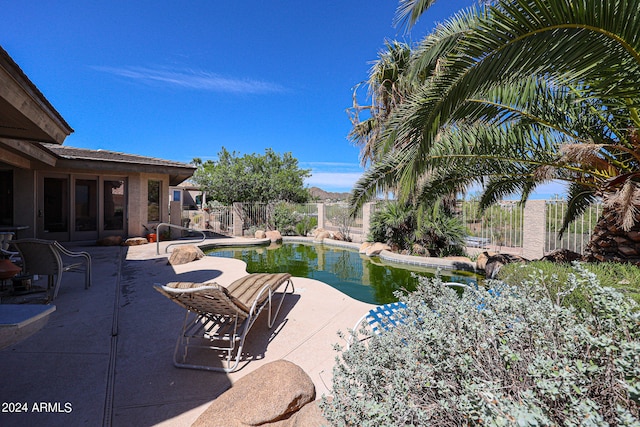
<point>48,258</point>
<point>222,317</point>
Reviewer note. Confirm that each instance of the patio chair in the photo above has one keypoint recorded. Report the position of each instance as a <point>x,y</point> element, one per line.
<point>219,318</point>
<point>388,316</point>
<point>378,319</point>
<point>47,258</point>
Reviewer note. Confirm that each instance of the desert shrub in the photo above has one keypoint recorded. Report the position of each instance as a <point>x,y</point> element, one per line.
<point>513,359</point>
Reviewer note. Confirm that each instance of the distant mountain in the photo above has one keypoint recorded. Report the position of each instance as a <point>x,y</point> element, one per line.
<point>321,195</point>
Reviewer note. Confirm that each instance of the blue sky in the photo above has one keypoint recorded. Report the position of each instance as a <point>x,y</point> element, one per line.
<point>181,79</point>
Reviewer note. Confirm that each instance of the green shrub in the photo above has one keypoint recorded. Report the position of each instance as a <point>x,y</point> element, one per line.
<point>284,219</point>
<point>306,224</point>
<point>520,360</point>
<point>623,277</point>
<point>402,226</point>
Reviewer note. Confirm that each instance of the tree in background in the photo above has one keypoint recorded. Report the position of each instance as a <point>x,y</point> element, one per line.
<point>252,178</point>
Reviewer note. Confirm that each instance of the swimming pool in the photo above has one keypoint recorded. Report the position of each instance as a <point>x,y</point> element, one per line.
<point>363,278</point>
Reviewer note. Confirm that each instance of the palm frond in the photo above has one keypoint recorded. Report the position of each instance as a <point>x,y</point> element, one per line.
<point>579,198</point>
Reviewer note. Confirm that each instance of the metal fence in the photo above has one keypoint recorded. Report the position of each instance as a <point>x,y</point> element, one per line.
<point>249,217</point>
<point>499,226</point>
<point>217,219</point>
<point>578,233</point>
<point>337,218</point>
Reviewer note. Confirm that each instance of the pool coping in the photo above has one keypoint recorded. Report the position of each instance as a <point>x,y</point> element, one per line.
<point>428,262</point>
<point>392,257</point>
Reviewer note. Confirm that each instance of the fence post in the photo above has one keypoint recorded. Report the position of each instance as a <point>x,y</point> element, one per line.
<point>367,211</point>
<point>238,220</point>
<point>534,229</point>
<point>320,215</point>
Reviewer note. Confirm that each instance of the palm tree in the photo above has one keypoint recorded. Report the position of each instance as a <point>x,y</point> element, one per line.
<point>514,95</point>
<point>387,88</point>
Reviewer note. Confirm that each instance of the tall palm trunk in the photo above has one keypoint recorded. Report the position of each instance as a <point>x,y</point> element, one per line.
<point>609,242</point>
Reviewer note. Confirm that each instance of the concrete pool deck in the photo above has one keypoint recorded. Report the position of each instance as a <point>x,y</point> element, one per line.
<point>105,356</point>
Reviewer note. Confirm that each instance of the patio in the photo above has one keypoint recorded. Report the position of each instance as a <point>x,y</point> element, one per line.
<point>105,356</point>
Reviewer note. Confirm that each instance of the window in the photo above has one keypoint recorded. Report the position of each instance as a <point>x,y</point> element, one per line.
<point>56,205</point>
<point>176,195</point>
<point>114,192</point>
<point>153,198</point>
<point>86,205</point>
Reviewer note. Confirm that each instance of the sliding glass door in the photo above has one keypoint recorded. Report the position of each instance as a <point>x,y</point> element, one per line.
<point>81,208</point>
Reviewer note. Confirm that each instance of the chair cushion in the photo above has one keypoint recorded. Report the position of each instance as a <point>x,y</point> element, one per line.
<point>204,298</point>
<point>244,291</point>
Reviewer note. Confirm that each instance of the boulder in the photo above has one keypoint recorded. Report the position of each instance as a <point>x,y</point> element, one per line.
<point>185,254</point>
<point>135,241</point>
<point>309,416</point>
<point>321,236</point>
<point>481,261</point>
<point>110,241</point>
<point>271,393</point>
<point>274,236</point>
<point>418,249</point>
<point>317,231</point>
<point>495,263</point>
<point>364,247</point>
<point>562,255</point>
<point>260,234</point>
<point>376,248</point>
<point>338,236</point>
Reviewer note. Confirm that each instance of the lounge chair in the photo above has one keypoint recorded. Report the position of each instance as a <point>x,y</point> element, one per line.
<point>379,319</point>
<point>223,317</point>
<point>388,316</point>
<point>47,258</point>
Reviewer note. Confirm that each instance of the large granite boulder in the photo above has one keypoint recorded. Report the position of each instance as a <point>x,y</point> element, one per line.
<point>185,254</point>
<point>364,246</point>
<point>317,231</point>
<point>274,236</point>
<point>309,416</point>
<point>319,237</point>
<point>376,248</point>
<point>270,394</point>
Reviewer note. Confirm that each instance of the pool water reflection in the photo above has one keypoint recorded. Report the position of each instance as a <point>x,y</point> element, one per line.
<point>363,278</point>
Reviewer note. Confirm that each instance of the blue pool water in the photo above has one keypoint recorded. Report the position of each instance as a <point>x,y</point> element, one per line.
<point>363,278</point>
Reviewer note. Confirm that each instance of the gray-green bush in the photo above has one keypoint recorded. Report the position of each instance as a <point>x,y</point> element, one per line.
<point>514,359</point>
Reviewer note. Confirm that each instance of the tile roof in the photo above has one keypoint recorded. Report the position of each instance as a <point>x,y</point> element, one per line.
<point>73,153</point>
